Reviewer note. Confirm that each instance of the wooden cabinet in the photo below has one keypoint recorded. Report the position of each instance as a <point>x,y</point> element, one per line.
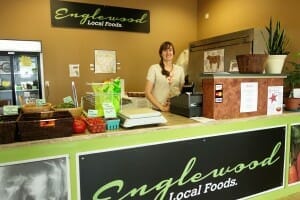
<point>222,94</point>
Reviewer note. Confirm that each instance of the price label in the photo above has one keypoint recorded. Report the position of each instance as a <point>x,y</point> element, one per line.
<point>40,102</point>
<point>109,110</point>
<point>92,113</point>
<point>10,110</point>
<point>68,99</point>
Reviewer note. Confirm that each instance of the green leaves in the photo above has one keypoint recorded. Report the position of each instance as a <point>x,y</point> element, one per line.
<point>293,75</point>
<point>277,42</point>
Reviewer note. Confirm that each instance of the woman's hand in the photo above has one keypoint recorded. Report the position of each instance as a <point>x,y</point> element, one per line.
<point>165,107</point>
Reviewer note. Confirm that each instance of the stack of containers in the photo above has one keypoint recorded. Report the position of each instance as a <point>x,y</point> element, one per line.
<point>107,92</point>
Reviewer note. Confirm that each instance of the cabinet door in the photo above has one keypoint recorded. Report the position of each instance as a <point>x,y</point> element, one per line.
<point>27,78</point>
<point>6,83</point>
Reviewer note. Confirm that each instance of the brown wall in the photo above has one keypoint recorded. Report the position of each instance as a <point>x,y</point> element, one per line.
<point>173,20</point>
<point>234,15</point>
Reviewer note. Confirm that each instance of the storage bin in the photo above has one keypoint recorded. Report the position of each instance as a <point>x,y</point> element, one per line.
<point>33,108</point>
<point>8,127</point>
<point>75,112</point>
<point>95,124</point>
<point>251,63</point>
<point>112,124</point>
<point>44,125</point>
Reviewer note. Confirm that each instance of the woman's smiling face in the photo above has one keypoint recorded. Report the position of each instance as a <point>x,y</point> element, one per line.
<point>167,54</point>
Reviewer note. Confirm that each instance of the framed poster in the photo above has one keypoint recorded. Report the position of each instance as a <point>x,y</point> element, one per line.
<point>74,70</point>
<point>105,61</point>
<point>214,61</point>
<point>275,100</point>
<point>45,178</point>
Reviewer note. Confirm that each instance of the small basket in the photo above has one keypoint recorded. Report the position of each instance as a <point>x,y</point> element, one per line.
<point>8,127</point>
<point>251,63</point>
<point>93,127</point>
<point>112,124</point>
<point>33,108</point>
<point>75,112</point>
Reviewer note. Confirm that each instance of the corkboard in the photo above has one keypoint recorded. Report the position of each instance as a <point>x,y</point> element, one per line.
<point>230,105</point>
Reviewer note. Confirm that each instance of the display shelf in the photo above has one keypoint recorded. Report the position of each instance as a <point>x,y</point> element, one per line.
<point>27,90</point>
<point>239,75</point>
<point>21,70</point>
<point>18,73</point>
<point>8,90</point>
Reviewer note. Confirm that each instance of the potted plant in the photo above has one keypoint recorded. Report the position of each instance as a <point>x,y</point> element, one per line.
<point>292,81</point>
<point>276,47</point>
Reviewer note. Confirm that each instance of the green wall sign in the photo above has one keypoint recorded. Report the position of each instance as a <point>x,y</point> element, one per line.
<point>91,16</point>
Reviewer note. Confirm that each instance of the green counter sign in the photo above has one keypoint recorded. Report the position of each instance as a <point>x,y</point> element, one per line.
<point>91,16</point>
<point>230,166</point>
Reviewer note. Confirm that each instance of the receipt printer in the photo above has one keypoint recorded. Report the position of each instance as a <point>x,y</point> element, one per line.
<point>187,104</point>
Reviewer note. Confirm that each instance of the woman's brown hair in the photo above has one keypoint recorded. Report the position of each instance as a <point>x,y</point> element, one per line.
<point>164,46</point>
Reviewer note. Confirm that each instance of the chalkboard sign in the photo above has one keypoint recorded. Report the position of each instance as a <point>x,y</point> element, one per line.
<point>91,16</point>
<point>229,166</point>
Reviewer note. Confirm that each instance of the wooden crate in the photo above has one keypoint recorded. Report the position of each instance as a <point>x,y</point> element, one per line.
<point>8,125</point>
<point>45,125</point>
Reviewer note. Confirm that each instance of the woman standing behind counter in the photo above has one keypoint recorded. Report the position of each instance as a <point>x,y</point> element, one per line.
<point>164,80</point>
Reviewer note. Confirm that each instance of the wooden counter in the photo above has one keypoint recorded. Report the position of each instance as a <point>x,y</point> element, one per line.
<point>222,94</point>
<point>178,128</point>
<point>173,121</point>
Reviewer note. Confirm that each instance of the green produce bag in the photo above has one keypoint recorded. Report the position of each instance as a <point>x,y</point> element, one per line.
<point>110,92</point>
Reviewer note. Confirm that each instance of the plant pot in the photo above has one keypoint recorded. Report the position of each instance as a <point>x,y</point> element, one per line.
<point>251,63</point>
<point>292,104</point>
<point>274,64</point>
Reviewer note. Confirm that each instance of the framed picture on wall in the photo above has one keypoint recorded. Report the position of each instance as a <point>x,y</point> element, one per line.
<point>105,61</point>
<point>214,61</point>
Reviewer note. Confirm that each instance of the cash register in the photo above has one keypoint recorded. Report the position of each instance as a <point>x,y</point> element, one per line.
<point>188,103</point>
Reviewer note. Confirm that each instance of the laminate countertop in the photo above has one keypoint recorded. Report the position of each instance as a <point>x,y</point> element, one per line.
<point>174,121</point>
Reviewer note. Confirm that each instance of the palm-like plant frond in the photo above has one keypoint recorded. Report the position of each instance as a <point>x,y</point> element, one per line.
<point>277,42</point>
